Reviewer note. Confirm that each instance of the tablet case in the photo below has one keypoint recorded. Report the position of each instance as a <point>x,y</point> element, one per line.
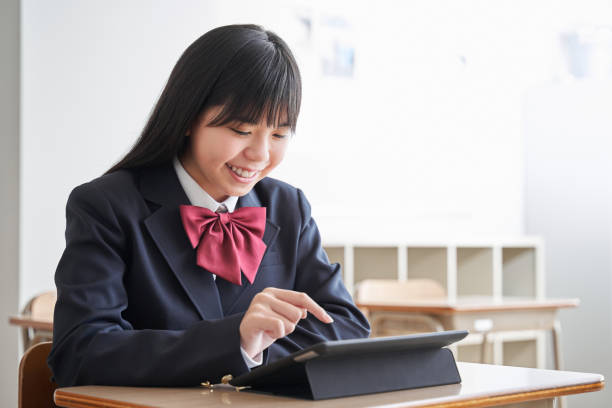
<point>349,374</point>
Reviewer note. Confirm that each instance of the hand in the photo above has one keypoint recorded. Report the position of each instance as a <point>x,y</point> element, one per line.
<point>273,314</point>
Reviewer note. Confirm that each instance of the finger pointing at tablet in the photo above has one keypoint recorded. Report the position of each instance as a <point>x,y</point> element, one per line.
<point>301,299</point>
<point>273,314</point>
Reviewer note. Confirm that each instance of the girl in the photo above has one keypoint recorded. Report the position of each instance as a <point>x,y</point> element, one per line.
<point>184,262</point>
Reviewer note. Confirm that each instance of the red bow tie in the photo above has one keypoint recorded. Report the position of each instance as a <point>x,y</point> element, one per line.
<point>227,242</point>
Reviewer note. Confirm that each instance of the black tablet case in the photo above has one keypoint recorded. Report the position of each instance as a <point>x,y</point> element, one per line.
<point>343,375</point>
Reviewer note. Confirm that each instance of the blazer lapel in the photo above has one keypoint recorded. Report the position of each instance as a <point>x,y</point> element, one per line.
<point>161,186</point>
<point>230,294</point>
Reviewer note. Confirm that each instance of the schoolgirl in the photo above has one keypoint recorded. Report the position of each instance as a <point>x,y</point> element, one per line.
<point>185,262</point>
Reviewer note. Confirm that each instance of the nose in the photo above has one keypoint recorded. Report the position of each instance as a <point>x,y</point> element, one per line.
<point>259,149</point>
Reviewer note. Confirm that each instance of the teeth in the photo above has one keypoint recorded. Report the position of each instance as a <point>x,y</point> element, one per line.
<point>241,172</point>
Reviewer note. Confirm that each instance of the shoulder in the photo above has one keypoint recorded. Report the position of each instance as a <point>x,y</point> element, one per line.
<point>270,190</point>
<point>116,189</point>
<point>113,184</point>
<point>269,187</point>
<point>281,197</point>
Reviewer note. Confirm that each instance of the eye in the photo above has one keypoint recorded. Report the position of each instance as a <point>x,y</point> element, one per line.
<point>239,132</point>
<point>279,136</point>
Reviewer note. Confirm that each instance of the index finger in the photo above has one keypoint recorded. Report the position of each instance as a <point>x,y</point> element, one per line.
<point>301,299</point>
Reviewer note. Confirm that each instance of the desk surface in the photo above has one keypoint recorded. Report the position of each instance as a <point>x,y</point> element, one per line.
<point>469,304</point>
<point>466,304</point>
<point>482,386</point>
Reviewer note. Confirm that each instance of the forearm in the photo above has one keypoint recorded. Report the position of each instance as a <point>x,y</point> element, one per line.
<point>205,352</point>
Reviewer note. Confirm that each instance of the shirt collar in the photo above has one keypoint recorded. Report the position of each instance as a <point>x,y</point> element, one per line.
<point>196,194</point>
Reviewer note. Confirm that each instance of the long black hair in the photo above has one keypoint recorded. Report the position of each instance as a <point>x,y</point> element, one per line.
<point>247,70</point>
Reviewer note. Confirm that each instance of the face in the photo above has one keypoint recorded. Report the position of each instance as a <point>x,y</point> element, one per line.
<point>229,160</point>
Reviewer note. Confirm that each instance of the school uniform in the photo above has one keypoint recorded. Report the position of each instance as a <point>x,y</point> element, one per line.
<point>133,306</point>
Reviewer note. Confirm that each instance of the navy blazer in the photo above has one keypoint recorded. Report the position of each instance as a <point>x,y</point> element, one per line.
<point>133,308</point>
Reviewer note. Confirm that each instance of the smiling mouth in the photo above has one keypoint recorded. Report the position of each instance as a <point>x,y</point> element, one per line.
<point>240,172</point>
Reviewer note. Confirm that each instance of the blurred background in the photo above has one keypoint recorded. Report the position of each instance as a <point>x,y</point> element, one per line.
<point>421,120</point>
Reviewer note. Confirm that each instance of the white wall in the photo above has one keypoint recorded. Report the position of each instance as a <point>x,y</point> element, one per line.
<point>394,134</point>
<point>9,196</point>
<point>91,73</point>
<point>568,202</point>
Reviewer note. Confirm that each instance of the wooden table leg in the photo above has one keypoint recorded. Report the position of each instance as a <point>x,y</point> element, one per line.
<point>556,343</point>
<point>558,363</point>
<point>483,348</point>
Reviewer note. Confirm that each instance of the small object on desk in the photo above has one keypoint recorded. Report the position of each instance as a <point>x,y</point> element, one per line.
<point>353,367</point>
<point>225,383</point>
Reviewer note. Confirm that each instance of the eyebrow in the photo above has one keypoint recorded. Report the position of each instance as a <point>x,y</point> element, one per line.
<point>242,120</point>
<point>250,122</point>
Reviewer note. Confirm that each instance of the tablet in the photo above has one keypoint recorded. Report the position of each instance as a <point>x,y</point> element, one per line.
<point>357,347</point>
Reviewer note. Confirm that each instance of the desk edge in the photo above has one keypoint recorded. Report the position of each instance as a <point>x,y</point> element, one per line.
<point>66,399</point>
<point>520,397</point>
<point>71,400</point>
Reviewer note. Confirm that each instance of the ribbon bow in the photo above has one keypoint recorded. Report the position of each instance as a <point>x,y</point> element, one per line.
<point>227,242</point>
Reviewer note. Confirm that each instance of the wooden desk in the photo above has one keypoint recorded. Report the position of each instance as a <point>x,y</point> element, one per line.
<point>36,319</point>
<point>479,314</point>
<point>31,322</point>
<point>482,385</point>
<point>33,329</point>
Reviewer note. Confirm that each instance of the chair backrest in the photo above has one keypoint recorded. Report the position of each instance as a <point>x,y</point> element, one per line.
<point>377,291</point>
<point>389,290</point>
<point>35,385</point>
<point>42,306</point>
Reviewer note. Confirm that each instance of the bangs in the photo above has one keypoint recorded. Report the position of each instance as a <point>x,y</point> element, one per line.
<point>259,83</point>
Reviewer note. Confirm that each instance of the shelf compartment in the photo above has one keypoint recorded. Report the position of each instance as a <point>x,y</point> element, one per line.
<point>474,271</point>
<point>519,271</point>
<point>428,263</point>
<point>375,263</point>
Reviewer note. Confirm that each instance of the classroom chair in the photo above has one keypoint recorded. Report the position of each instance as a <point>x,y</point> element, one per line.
<point>40,307</point>
<point>35,385</point>
<point>373,291</point>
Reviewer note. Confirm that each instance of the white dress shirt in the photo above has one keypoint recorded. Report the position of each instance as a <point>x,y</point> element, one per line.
<point>197,196</point>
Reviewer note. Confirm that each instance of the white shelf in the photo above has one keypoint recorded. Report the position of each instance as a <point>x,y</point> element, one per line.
<point>468,267</point>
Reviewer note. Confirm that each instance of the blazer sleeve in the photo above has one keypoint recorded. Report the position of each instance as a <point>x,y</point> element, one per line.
<point>94,344</point>
<point>322,281</point>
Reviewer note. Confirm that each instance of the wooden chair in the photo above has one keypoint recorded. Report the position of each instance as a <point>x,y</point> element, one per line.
<point>40,307</point>
<point>373,291</point>
<point>35,385</point>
